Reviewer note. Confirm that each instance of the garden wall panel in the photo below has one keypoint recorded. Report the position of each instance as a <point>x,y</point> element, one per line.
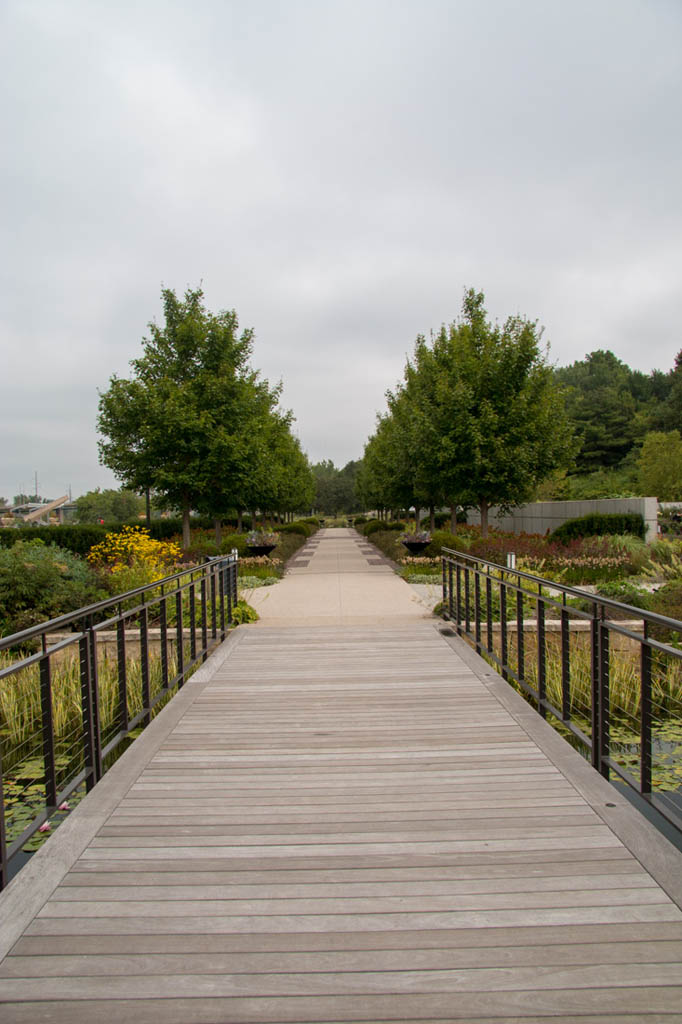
<point>541,516</point>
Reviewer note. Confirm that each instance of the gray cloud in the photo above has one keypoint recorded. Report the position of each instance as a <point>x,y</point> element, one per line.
<point>338,173</point>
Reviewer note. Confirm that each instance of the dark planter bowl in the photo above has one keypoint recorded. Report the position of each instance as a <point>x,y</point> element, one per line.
<point>260,549</point>
<point>415,547</point>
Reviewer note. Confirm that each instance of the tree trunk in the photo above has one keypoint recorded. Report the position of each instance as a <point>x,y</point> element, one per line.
<point>218,527</point>
<point>432,518</point>
<point>186,537</point>
<point>240,515</point>
<point>417,514</point>
<point>453,519</point>
<point>148,508</point>
<point>484,506</point>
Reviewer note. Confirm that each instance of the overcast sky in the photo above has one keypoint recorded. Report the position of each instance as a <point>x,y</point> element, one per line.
<point>337,171</point>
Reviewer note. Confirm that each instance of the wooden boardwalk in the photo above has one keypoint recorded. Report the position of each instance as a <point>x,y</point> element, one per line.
<point>347,824</point>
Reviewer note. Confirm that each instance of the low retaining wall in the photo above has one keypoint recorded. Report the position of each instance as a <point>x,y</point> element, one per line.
<point>541,516</point>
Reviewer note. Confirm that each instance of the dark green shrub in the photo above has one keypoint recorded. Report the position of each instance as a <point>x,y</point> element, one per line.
<point>627,593</point>
<point>75,538</point>
<point>396,525</point>
<point>300,526</point>
<point>40,581</point>
<point>373,526</point>
<point>359,520</point>
<point>444,539</point>
<point>163,529</point>
<point>597,524</point>
<point>667,600</point>
<point>233,540</point>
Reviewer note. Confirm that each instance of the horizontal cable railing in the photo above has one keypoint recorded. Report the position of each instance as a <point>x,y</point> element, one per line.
<point>609,675</point>
<point>75,690</point>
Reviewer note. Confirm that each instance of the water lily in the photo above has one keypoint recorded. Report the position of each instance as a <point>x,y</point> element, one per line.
<point>45,827</point>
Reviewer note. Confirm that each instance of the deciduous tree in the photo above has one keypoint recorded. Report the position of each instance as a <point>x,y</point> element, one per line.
<point>163,427</point>
<point>660,465</point>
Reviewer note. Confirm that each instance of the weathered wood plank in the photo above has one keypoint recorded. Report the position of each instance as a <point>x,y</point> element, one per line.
<point>132,963</point>
<point>605,936</point>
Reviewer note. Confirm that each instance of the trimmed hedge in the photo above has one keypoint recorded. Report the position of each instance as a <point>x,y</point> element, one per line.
<point>597,525</point>
<point>301,527</point>
<point>77,538</point>
<point>377,525</point>
<point>373,526</point>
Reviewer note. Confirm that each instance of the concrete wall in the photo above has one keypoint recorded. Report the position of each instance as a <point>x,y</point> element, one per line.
<point>542,516</point>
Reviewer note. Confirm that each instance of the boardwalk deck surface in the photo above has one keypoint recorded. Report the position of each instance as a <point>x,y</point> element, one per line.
<point>348,823</point>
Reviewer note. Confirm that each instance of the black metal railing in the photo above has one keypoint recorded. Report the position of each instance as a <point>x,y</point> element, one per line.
<point>609,675</point>
<point>74,690</point>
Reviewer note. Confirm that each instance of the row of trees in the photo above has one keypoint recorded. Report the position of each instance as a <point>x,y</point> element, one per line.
<point>478,420</point>
<point>197,425</point>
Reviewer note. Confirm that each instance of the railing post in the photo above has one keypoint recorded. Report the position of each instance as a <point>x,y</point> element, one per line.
<point>230,587</point>
<point>235,573</point>
<point>94,690</point>
<point>179,638</point>
<point>48,729</point>
<point>459,598</point>
<point>604,697</point>
<point>520,648</point>
<point>542,657</point>
<point>122,674</point>
<point>89,752</point>
<point>3,834</point>
<point>504,646</point>
<point>144,666</point>
<point>477,610</point>
<point>565,665</point>
<point>204,619</point>
<point>163,641</point>
<point>594,679</point>
<point>214,609</point>
<point>444,581</point>
<point>489,611</point>
<point>192,622</point>
<point>222,583</point>
<point>645,717</point>
<point>450,596</point>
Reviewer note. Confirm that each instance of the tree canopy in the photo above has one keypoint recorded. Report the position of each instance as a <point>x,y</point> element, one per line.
<point>194,422</point>
<point>478,419</point>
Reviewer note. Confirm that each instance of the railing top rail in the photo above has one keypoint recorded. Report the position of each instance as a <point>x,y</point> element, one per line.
<point>585,595</point>
<point>53,625</point>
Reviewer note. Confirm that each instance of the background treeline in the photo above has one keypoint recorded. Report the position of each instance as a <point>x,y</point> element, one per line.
<point>627,427</point>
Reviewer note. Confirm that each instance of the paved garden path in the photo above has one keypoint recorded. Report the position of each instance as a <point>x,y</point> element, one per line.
<point>338,578</point>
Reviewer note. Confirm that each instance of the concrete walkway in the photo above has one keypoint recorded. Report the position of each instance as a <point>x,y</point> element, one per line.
<point>338,579</point>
